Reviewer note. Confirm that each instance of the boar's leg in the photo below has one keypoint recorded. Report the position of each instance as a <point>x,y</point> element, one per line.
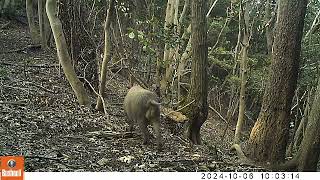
<point>129,121</point>
<point>156,129</point>
<point>144,129</point>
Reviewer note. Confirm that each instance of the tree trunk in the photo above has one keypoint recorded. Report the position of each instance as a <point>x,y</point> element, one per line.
<point>309,150</point>
<point>46,27</point>
<point>198,110</point>
<point>32,26</point>
<point>243,69</point>
<point>42,16</point>
<point>64,57</point>
<point>106,56</point>
<point>269,136</point>
<point>168,52</point>
<point>6,5</point>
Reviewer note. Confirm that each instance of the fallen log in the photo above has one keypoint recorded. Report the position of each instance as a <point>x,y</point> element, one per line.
<point>174,121</point>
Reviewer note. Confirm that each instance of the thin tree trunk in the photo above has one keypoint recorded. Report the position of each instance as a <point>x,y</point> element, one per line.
<point>302,125</point>
<point>64,57</point>
<point>183,14</point>
<point>32,26</point>
<point>243,69</point>
<point>6,5</point>
<point>169,20</point>
<point>315,23</point>
<point>41,16</point>
<point>46,27</point>
<point>106,55</point>
<point>309,150</point>
<point>269,27</point>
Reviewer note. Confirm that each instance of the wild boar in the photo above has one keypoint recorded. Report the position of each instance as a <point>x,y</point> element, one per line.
<point>142,107</point>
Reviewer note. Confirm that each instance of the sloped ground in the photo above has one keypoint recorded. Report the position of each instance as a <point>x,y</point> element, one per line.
<point>41,120</point>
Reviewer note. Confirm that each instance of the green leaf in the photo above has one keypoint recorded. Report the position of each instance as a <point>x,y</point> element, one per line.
<point>131,35</point>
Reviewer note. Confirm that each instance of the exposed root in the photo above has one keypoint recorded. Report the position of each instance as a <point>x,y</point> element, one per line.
<point>290,165</point>
<point>240,153</point>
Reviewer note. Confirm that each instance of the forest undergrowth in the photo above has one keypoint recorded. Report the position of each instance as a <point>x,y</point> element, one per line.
<point>41,120</point>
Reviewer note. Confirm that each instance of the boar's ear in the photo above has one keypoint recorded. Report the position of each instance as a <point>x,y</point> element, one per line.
<point>155,103</point>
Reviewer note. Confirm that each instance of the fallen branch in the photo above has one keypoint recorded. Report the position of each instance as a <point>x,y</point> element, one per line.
<point>5,25</point>
<point>38,46</point>
<point>174,115</point>
<point>210,107</point>
<point>42,157</point>
<point>21,103</point>
<point>186,105</point>
<point>31,65</point>
<point>110,134</point>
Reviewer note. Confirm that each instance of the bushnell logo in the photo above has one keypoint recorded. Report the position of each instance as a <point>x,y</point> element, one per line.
<point>12,163</point>
<point>11,168</point>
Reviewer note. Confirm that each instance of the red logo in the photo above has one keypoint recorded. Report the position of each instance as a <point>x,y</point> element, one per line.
<point>12,168</point>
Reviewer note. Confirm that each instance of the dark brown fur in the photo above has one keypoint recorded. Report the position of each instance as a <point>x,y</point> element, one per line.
<point>141,107</point>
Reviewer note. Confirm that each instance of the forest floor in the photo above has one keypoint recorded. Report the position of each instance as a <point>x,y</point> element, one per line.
<point>41,120</point>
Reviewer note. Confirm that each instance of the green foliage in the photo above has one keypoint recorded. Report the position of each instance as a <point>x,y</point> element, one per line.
<point>234,80</point>
<point>309,66</point>
<point>16,9</point>
<point>3,72</point>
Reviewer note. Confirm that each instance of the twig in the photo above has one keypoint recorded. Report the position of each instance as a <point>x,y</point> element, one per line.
<point>102,100</point>
<point>210,107</point>
<point>122,59</point>
<point>214,3</point>
<point>227,123</point>
<point>220,33</point>
<point>314,24</point>
<point>186,105</point>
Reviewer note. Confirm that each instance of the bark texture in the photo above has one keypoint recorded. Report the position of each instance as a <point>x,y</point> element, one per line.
<point>243,70</point>
<point>198,110</point>
<point>269,136</point>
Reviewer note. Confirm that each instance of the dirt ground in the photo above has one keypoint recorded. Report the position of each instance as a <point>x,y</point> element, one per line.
<point>41,120</point>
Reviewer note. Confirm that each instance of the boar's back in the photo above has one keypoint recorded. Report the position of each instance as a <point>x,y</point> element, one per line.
<point>141,103</point>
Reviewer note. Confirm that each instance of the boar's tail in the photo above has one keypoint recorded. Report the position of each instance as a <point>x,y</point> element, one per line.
<point>154,103</point>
